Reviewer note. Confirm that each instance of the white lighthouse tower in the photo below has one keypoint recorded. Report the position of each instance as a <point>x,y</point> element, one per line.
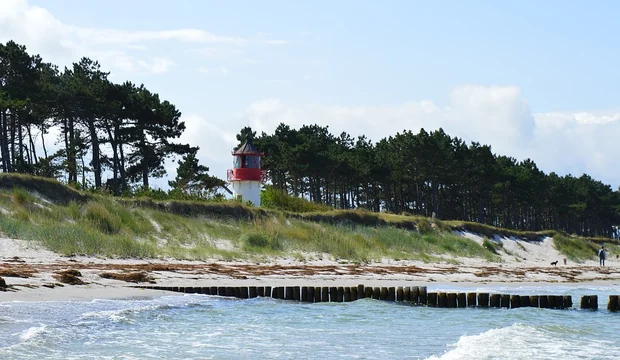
<point>246,177</point>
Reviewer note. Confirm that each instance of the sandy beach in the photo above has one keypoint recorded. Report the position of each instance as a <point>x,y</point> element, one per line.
<point>33,273</point>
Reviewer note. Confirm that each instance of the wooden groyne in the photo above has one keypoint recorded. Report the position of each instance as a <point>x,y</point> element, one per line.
<point>413,295</point>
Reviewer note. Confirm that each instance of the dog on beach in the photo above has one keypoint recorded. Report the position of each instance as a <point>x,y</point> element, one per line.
<point>555,263</point>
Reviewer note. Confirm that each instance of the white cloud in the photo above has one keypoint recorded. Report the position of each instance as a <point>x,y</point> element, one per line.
<point>63,44</point>
<point>214,53</point>
<point>275,42</point>
<point>221,70</point>
<point>495,115</point>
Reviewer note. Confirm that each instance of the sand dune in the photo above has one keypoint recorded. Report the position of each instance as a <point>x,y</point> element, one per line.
<point>31,272</point>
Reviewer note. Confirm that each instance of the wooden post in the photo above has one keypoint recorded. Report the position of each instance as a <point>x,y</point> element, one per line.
<point>568,301</point>
<point>432,299</point>
<point>268,291</point>
<point>525,301</point>
<point>495,300</point>
<point>347,294</point>
<point>361,291</point>
<point>441,300</point>
<point>354,293</point>
<point>614,303</point>
<point>414,295</point>
<point>515,301</point>
<point>400,293</point>
<point>552,301</point>
<point>461,300</point>
<point>253,291</point>
<point>289,293</point>
<point>376,293</point>
<point>391,294</point>
<point>558,302</point>
<point>181,289</point>
<point>451,300</point>
<point>505,302</point>
<point>585,302</point>
<point>471,299</point>
<point>340,294</point>
<point>544,301</point>
<point>317,294</point>
<point>175,288</point>
<point>422,295</point>
<point>407,294</point>
<point>333,294</point>
<point>324,294</point>
<point>594,302</point>
<point>206,291</point>
<point>384,293</point>
<point>244,292</point>
<point>304,294</point>
<point>198,290</point>
<point>534,301</point>
<point>483,300</point>
<point>230,291</point>
<point>296,293</point>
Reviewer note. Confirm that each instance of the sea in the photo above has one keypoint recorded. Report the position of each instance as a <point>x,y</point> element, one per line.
<point>193,326</point>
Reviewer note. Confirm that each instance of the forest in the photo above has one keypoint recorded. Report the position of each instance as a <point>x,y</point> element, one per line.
<point>428,173</point>
<point>128,132</point>
<point>124,129</point>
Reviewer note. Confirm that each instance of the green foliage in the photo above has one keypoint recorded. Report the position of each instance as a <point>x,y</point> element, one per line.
<point>575,248</point>
<point>193,179</point>
<point>21,196</point>
<point>259,240</point>
<point>102,219</point>
<point>273,198</point>
<point>424,226</point>
<point>190,230</point>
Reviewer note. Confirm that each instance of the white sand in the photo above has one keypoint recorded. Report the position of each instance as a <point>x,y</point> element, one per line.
<point>523,263</point>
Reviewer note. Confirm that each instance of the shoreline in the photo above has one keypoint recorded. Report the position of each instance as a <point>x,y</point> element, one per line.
<point>33,273</point>
<point>30,289</point>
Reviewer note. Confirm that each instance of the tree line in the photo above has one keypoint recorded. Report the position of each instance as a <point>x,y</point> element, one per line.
<point>126,132</point>
<point>123,129</point>
<point>428,173</point>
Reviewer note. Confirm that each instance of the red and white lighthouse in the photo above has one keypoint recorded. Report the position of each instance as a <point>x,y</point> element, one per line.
<point>246,176</point>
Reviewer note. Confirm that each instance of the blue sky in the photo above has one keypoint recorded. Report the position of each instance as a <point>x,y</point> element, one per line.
<point>533,79</point>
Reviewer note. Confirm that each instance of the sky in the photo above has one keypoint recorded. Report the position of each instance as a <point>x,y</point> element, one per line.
<point>533,79</point>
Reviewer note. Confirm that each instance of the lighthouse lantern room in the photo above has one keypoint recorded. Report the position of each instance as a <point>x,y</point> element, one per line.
<point>246,177</point>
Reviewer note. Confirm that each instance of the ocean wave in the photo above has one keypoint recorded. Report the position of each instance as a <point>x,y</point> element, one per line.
<point>520,341</point>
<point>32,332</point>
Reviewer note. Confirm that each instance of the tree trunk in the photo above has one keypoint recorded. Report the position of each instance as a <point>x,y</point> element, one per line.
<point>95,152</point>
<point>3,141</point>
<point>20,142</point>
<point>71,153</point>
<point>33,151</point>
<point>115,164</point>
<point>43,141</point>
<point>13,140</point>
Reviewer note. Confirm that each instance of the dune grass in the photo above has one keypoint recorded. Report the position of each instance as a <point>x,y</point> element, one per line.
<point>575,248</point>
<point>102,226</point>
<point>99,225</point>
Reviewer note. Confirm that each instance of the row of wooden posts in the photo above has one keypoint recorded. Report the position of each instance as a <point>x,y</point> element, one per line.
<point>417,295</point>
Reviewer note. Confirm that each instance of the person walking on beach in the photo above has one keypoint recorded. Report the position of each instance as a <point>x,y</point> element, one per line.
<point>602,254</point>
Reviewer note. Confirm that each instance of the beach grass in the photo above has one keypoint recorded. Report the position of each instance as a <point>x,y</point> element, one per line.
<point>575,248</point>
<point>100,225</point>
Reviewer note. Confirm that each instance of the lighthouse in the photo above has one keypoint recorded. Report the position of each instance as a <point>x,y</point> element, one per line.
<point>246,176</point>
